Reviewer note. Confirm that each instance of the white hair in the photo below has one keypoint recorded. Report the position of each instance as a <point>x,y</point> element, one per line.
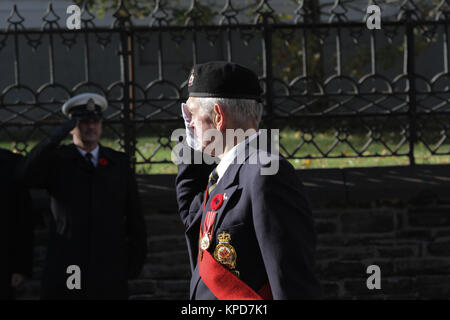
<point>240,110</point>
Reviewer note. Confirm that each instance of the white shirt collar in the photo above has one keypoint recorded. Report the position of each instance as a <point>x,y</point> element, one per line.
<point>229,157</point>
<point>94,153</point>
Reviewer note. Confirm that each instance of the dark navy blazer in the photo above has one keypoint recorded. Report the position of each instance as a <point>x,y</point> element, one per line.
<point>269,220</point>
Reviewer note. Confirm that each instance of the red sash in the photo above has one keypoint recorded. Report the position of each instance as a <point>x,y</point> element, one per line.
<point>221,281</point>
<point>225,285</point>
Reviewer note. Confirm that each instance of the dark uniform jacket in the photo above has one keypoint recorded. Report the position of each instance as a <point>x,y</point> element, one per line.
<point>96,222</point>
<point>269,220</point>
<point>16,225</point>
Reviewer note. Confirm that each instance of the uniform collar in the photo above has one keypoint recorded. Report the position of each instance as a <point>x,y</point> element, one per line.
<point>95,154</point>
<point>237,152</point>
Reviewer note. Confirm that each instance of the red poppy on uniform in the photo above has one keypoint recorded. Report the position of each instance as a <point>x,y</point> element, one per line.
<point>216,201</point>
<point>103,162</point>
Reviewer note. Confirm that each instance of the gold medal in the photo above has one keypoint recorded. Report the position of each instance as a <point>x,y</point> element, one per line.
<point>204,242</point>
<point>225,252</point>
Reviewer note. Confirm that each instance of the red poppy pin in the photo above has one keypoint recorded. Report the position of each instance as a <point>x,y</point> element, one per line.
<point>103,162</point>
<point>217,201</point>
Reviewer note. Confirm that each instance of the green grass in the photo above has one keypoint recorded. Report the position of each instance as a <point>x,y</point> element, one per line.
<point>150,149</point>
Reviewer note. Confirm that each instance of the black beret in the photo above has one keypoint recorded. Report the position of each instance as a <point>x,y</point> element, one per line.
<point>221,79</point>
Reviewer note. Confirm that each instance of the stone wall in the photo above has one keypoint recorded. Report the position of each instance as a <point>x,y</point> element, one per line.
<point>410,245</point>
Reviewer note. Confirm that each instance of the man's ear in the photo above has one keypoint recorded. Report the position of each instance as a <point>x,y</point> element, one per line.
<point>72,132</point>
<point>219,117</point>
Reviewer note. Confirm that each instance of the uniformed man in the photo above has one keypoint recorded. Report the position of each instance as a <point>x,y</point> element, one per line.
<point>97,232</point>
<point>16,228</point>
<point>250,235</point>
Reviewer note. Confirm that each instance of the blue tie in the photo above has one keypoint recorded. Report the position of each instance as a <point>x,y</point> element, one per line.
<point>89,158</point>
<point>212,181</point>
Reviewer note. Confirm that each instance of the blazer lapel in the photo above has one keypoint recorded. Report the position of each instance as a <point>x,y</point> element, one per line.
<point>75,156</point>
<point>225,185</point>
<point>105,160</point>
<point>104,157</point>
<point>228,189</point>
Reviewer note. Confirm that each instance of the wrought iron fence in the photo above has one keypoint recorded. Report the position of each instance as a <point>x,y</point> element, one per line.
<point>334,88</point>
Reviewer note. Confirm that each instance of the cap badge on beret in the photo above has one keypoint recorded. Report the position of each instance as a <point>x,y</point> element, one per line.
<point>90,105</point>
<point>191,79</point>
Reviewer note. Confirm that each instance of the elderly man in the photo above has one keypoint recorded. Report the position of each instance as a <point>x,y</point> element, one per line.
<point>97,232</point>
<point>16,228</point>
<point>250,235</point>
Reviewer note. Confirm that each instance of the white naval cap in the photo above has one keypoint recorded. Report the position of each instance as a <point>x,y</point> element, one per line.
<point>85,105</point>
